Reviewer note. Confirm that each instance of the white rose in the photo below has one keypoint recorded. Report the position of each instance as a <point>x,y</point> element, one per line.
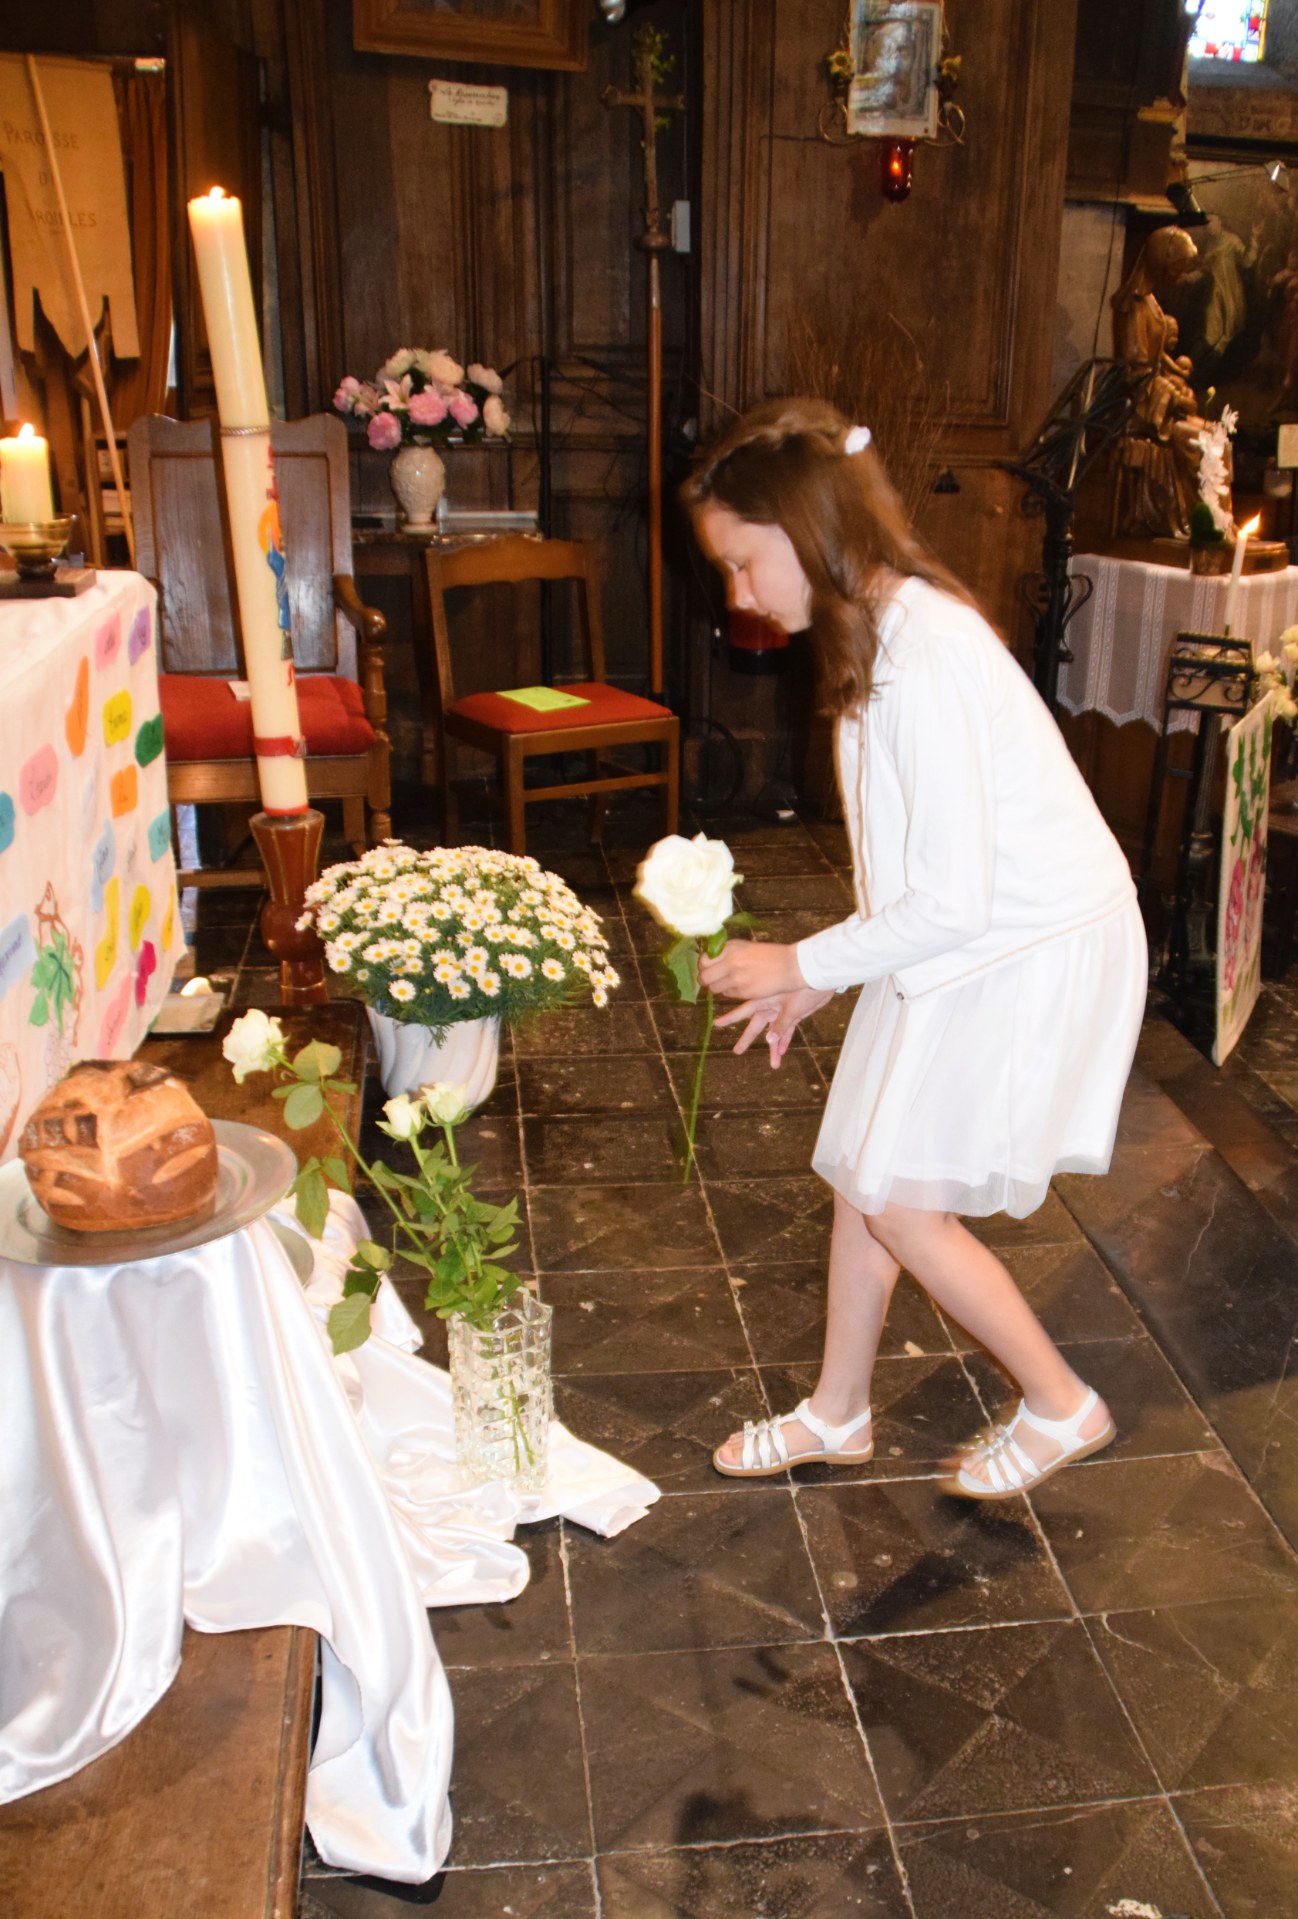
<point>400,362</point>
<point>495,418</point>
<point>253,1044</point>
<point>1267,663</point>
<point>447,1104</point>
<point>443,368</point>
<point>486,376</point>
<point>687,884</point>
<point>405,1117</point>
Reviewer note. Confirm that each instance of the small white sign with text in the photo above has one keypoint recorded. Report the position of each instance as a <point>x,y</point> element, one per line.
<point>459,105</point>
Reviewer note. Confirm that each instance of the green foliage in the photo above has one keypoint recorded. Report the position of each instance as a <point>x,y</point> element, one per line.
<point>1204,530</point>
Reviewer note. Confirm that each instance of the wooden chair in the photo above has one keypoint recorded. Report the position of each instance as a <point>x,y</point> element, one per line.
<point>182,545</point>
<point>513,732</point>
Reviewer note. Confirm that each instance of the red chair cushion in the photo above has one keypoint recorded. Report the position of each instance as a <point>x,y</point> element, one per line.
<point>605,706</point>
<point>202,720</point>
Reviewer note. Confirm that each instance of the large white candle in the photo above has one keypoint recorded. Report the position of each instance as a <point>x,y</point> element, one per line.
<point>1242,538</point>
<point>25,496</point>
<point>216,223</point>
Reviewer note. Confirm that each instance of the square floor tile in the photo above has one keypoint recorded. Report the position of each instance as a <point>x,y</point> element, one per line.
<point>772,1219</point>
<point>1000,1720</point>
<point>839,1876</point>
<point>649,1322</point>
<point>530,1630</point>
<point>1212,1689</point>
<point>623,1026</point>
<point>510,1805</point>
<point>725,1569</point>
<point>1081,1863</point>
<point>1130,1533</point>
<point>697,1748</point>
<point>1071,1291</point>
<point>750,1145</point>
<point>620,1083</point>
<point>784,1312</point>
<point>903,1557</point>
<point>665,1425</point>
<point>1246,1842</point>
<point>593,1228</point>
<point>747,1082</point>
<point>594,1149</point>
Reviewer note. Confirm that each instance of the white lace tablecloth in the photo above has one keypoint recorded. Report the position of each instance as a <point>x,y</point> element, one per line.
<point>181,1445</point>
<point>1121,638</point>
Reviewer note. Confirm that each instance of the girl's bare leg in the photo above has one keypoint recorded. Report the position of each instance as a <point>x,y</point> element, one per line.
<point>971,1286</point>
<point>862,1274</point>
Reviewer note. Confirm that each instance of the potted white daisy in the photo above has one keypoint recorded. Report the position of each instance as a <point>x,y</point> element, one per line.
<point>443,945</point>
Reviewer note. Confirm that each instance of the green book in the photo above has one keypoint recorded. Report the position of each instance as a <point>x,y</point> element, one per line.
<point>545,699</point>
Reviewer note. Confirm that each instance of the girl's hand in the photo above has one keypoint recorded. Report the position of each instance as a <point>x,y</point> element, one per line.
<point>777,1016</point>
<point>749,969</point>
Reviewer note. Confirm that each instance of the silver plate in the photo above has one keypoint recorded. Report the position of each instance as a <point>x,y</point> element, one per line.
<point>254,1170</point>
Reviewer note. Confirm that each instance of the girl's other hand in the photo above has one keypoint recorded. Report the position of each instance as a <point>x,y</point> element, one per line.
<point>777,1016</point>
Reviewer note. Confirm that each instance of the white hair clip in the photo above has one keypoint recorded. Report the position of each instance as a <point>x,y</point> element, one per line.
<point>857,440</point>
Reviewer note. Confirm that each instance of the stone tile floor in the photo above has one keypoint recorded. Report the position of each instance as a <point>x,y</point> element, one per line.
<point>841,1692</point>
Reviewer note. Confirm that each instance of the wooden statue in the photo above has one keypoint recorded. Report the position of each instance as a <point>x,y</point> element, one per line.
<point>1158,458</point>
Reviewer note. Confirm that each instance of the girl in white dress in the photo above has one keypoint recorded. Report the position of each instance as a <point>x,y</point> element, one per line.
<point>997,943</point>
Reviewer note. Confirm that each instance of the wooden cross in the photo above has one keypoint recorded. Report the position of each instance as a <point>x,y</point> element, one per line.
<point>652,241</point>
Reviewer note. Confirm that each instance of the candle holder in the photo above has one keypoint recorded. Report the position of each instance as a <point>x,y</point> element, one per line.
<point>36,547</point>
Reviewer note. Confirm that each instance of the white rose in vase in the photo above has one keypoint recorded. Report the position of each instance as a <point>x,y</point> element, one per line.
<point>688,885</point>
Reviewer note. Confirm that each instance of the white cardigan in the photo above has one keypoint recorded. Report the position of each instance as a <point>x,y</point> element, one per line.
<point>974,837</point>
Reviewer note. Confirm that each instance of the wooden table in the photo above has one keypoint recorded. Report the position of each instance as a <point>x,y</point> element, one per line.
<point>199,1809</point>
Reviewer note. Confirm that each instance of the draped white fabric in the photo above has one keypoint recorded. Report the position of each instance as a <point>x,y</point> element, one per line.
<point>1121,638</point>
<point>180,1444</point>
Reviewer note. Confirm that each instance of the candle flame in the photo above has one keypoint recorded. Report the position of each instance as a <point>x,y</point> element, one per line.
<point>1246,532</point>
<point>27,432</point>
<point>217,193</point>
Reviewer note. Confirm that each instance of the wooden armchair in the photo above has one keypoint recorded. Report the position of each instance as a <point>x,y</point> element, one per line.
<point>182,545</point>
<point>512,732</point>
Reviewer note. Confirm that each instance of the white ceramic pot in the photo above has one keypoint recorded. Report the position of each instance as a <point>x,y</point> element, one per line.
<point>409,1056</point>
<point>418,479</point>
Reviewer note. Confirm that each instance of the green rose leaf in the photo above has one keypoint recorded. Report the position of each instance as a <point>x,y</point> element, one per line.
<point>377,1258</point>
<point>336,1173</point>
<point>349,1322</point>
<point>681,962</point>
<point>316,1061</point>
<point>311,1200</point>
<point>303,1107</point>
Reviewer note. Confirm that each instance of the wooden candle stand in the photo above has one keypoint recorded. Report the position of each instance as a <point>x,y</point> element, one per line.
<point>290,852</point>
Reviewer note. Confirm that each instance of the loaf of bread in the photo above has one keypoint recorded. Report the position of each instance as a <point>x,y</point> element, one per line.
<point>118,1144</point>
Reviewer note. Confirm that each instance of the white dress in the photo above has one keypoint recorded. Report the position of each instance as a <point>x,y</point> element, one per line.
<point>998,944</point>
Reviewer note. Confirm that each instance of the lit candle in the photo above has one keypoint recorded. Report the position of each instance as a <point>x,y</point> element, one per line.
<point>25,496</point>
<point>216,223</point>
<point>1242,538</point>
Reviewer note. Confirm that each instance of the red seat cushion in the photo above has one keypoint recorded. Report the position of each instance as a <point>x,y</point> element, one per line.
<point>202,720</point>
<point>605,706</point>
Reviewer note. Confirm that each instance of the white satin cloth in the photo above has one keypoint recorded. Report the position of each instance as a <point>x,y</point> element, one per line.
<point>181,1445</point>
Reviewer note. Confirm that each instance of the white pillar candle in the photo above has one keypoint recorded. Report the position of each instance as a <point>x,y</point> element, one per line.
<point>1242,538</point>
<point>25,496</point>
<point>216,223</point>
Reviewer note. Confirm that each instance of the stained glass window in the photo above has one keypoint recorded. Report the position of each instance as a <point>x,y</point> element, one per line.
<point>1228,30</point>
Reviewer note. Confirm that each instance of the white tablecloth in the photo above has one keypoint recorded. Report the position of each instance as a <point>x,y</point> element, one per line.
<point>88,925</point>
<point>1121,638</point>
<point>180,1444</point>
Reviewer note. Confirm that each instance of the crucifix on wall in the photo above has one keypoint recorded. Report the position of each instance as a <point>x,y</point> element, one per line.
<point>650,68</point>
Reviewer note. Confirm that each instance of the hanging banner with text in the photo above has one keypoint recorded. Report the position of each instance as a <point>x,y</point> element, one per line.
<point>83,122</point>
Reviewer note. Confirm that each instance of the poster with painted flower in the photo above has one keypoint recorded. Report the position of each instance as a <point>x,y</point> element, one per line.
<point>1243,874</point>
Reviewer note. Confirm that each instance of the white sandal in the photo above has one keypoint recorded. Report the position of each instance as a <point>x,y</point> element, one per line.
<point>1011,1471</point>
<point>766,1451</point>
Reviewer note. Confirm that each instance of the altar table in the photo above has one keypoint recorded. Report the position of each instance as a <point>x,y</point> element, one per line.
<point>181,1445</point>
<point>89,931</point>
<point>1121,638</point>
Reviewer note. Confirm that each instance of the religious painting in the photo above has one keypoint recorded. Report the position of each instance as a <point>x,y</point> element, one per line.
<point>1243,874</point>
<point>509,33</point>
<point>896,46</point>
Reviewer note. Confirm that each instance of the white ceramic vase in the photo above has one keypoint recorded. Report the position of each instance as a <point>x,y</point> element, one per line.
<point>410,1057</point>
<point>418,479</point>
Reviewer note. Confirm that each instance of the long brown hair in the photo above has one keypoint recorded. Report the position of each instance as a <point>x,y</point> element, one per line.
<point>784,464</point>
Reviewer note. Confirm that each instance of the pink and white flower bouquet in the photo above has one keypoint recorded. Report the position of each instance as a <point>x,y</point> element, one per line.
<point>421,398</point>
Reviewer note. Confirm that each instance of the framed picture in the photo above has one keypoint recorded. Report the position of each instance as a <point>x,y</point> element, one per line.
<point>896,46</point>
<point>503,33</point>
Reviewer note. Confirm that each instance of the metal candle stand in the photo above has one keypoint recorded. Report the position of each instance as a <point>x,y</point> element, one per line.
<point>1212,675</point>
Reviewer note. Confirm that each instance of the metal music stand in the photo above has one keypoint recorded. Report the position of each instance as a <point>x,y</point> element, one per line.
<point>1212,675</point>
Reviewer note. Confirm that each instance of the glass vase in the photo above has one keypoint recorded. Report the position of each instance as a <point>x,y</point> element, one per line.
<point>501,1394</point>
